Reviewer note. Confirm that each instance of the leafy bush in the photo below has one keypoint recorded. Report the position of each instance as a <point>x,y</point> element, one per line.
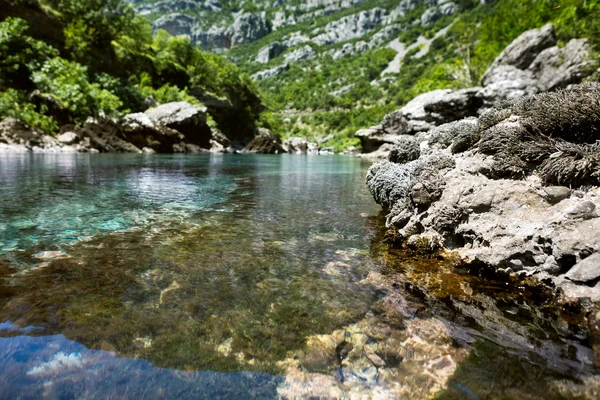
<point>68,82</point>
<point>14,104</point>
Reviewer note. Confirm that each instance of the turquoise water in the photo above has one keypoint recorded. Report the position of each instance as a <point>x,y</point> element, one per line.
<point>227,276</point>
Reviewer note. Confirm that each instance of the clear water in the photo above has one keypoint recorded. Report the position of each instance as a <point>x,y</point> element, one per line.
<point>132,276</point>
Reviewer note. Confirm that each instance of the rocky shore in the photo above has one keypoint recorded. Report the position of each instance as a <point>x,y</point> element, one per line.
<point>178,127</point>
<point>511,185</point>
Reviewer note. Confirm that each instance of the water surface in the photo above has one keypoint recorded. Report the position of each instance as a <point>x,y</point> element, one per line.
<point>224,276</point>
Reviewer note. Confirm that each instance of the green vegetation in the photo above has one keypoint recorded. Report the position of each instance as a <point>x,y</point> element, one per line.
<point>104,62</point>
<point>308,96</point>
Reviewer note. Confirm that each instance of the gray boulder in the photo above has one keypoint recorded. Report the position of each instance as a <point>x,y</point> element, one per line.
<point>374,137</point>
<point>296,145</point>
<point>430,15</point>
<point>557,67</point>
<point>264,142</point>
<point>523,50</point>
<point>183,117</point>
<point>585,270</point>
<point>17,137</point>
<point>431,109</point>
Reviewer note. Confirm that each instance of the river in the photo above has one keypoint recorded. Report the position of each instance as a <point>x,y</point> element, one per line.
<point>228,276</point>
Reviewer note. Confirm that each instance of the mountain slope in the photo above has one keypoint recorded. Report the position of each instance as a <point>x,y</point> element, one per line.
<point>333,66</point>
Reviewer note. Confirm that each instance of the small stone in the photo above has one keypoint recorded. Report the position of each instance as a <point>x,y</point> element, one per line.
<point>583,210</point>
<point>586,270</point>
<point>373,357</point>
<point>336,268</point>
<point>225,347</point>
<point>556,194</point>
<point>50,255</point>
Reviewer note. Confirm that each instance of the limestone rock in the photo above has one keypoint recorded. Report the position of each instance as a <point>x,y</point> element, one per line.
<point>556,194</point>
<point>350,27</point>
<point>524,49</point>
<point>269,52</point>
<point>586,270</point>
<point>270,73</point>
<point>303,53</point>
<point>265,142</point>
<point>183,117</point>
<point>248,27</point>
<point>176,24</point>
<point>296,145</point>
<point>557,67</point>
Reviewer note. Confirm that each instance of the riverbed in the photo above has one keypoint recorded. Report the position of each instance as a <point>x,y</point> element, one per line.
<point>229,276</point>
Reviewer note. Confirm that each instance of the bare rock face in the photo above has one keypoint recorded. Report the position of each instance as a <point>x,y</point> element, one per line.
<point>16,137</point>
<point>248,28</point>
<point>303,53</point>
<point>176,24</point>
<point>499,189</point>
<point>269,52</point>
<point>350,27</point>
<point>556,67</point>
<point>264,142</point>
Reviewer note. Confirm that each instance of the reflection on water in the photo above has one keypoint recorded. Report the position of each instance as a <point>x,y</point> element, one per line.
<point>232,277</point>
<point>55,367</point>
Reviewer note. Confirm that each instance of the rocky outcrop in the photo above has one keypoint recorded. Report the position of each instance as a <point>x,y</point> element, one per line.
<point>167,6</point>
<point>264,142</point>
<point>432,14</point>
<point>269,52</point>
<point>248,27</point>
<point>421,114</point>
<point>532,63</point>
<point>515,190</point>
<point>303,53</point>
<point>270,73</point>
<point>176,24</point>
<point>296,145</point>
<point>185,118</point>
<point>350,27</point>
<point>16,137</point>
<point>169,128</point>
